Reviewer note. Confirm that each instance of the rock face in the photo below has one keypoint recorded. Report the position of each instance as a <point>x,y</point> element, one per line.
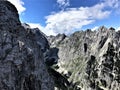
<point>22,65</point>
<point>90,59</point>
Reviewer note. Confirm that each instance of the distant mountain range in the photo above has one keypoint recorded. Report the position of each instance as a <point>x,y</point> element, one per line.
<point>90,59</point>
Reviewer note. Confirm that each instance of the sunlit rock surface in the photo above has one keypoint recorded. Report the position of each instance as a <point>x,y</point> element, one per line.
<point>90,59</point>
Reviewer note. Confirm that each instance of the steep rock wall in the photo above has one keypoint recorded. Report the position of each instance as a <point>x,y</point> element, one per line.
<point>22,64</point>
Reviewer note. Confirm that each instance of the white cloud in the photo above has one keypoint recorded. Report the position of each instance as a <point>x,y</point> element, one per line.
<point>94,28</point>
<point>71,19</point>
<point>37,25</point>
<point>19,4</point>
<point>63,3</point>
<point>118,29</point>
<point>112,3</point>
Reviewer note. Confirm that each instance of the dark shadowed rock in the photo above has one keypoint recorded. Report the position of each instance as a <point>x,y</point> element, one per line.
<point>51,56</point>
<point>22,64</point>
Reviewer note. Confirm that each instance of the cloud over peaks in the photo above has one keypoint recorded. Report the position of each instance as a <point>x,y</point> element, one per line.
<point>71,19</point>
<point>42,28</point>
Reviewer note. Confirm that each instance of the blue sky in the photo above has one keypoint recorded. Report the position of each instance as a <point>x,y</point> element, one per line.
<point>67,16</point>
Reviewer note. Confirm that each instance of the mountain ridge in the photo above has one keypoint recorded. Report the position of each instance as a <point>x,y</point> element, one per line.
<point>90,58</point>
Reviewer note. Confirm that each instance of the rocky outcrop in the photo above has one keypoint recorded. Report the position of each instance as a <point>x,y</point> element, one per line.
<point>22,65</point>
<point>90,59</point>
<point>50,54</point>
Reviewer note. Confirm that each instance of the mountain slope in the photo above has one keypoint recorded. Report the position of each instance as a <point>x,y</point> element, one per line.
<point>90,59</point>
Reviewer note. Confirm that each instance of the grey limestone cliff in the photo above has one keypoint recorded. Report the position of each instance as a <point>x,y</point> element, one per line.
<point>90,59</point>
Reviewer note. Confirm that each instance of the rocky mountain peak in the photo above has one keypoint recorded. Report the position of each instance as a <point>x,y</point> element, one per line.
<point>8,12</point>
